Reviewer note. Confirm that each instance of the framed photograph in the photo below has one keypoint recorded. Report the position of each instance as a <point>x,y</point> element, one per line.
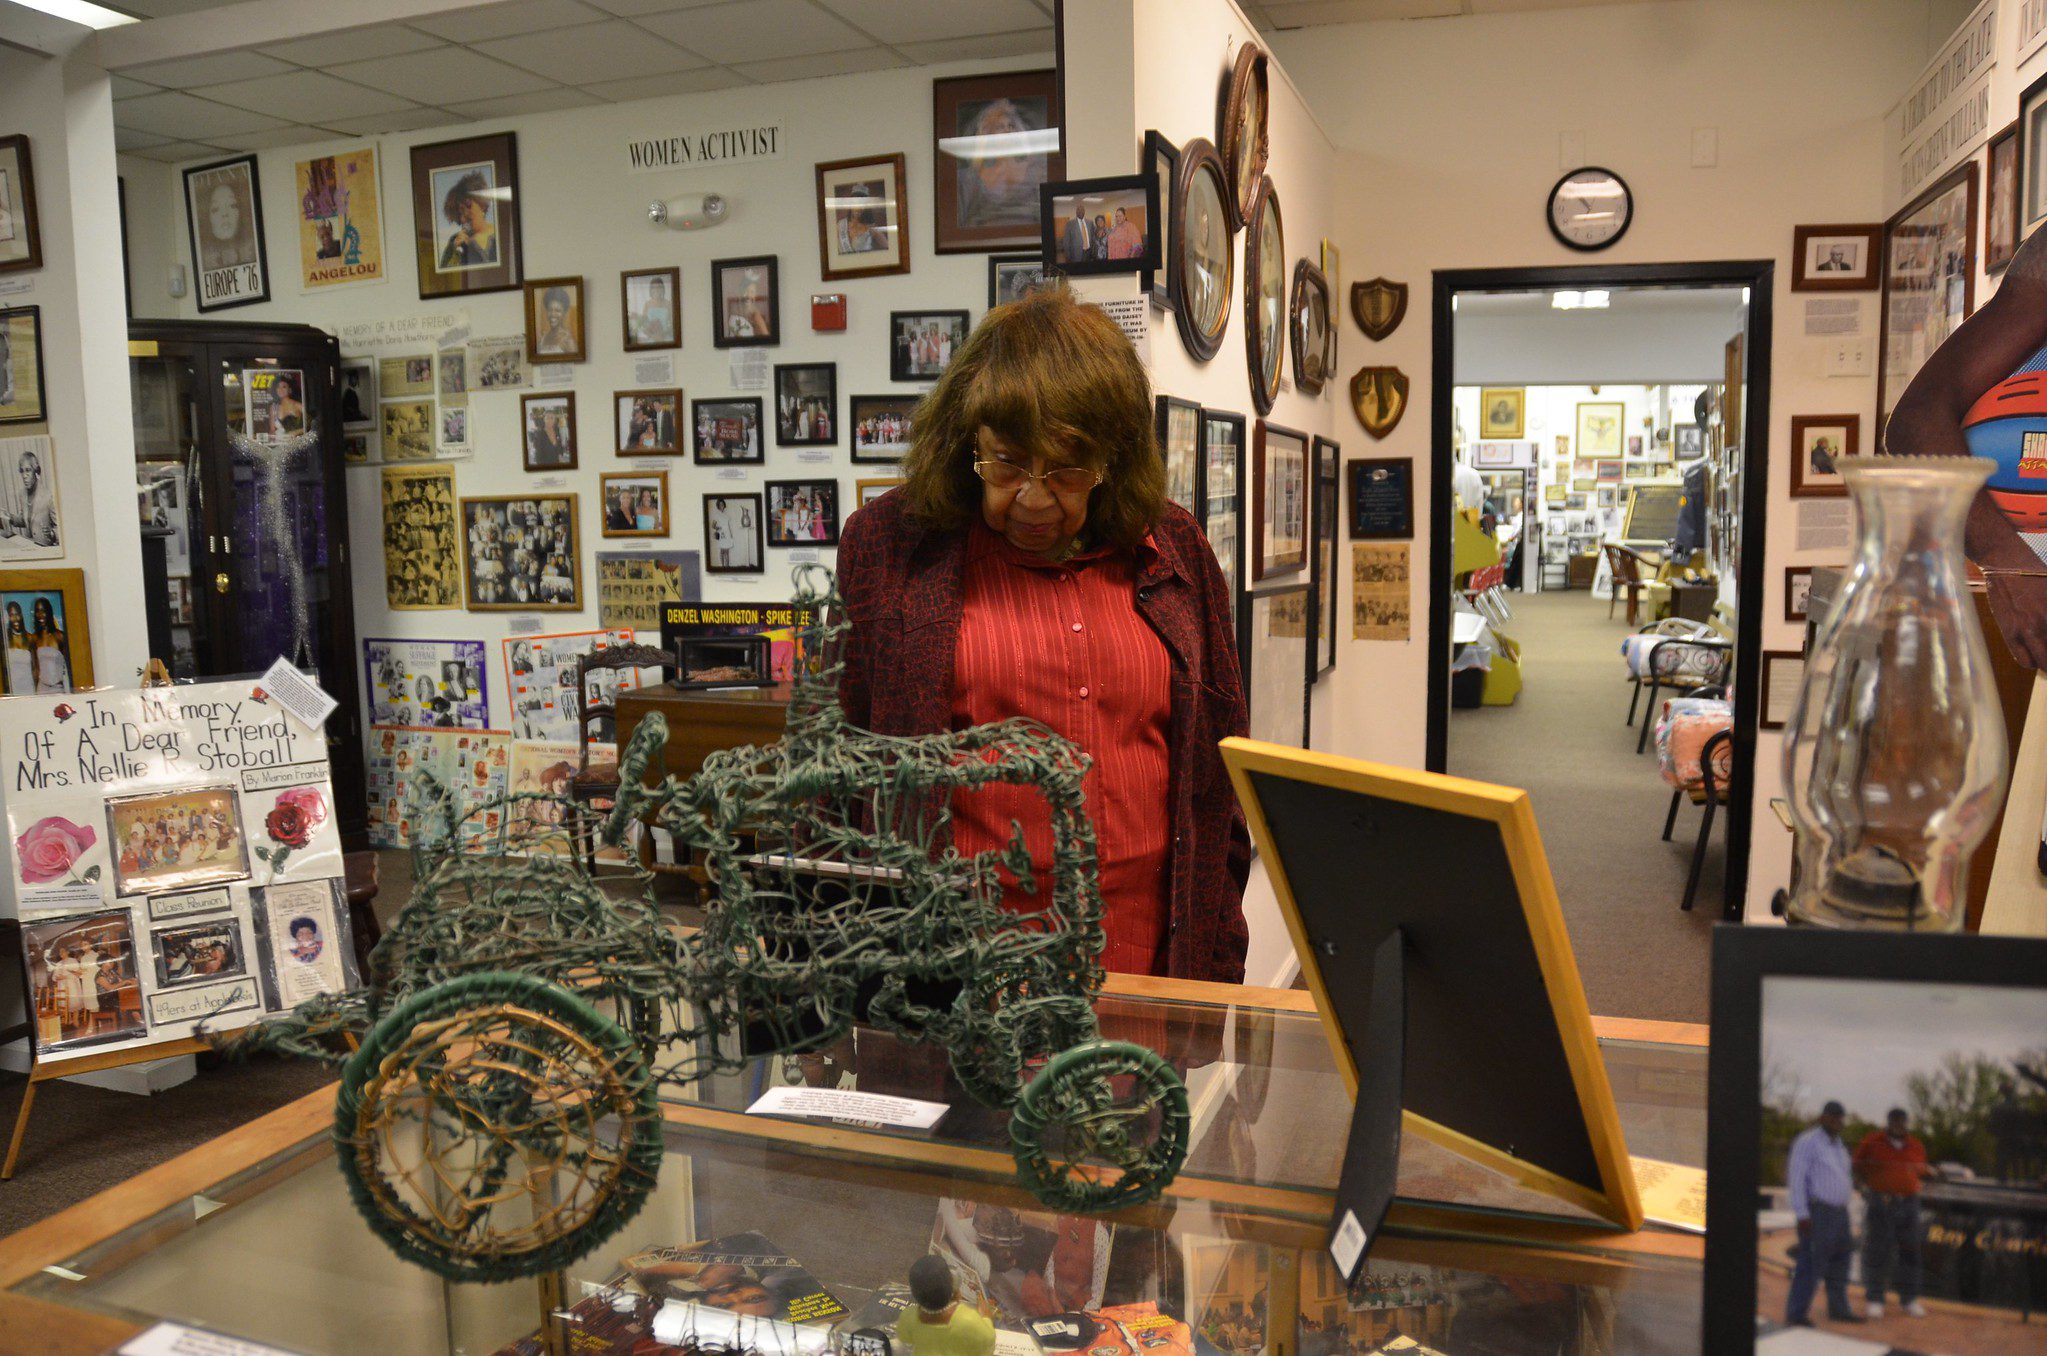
<point>2001,200</point>
<point>1162,163</point>
<point>1328,527</point>
<point>1179,433</point>
<point>1610,471</point>
<point>1634,444</point>
<point>176,840</point>
<point>225,224</point>
<point>1929,281</point>
<point>554,321</point>
<point>2033,157</point>
<point>862,218</point>
<point>21,366</point>
<point>1574,502</point>
<point>1265,311</point>
<point>1279,501</point>
<point>1012,277</point>
<point>83,986</point>
<point>550,424</point>
<point>648,423</point>
<point>1382,499</point>
<point>1245,146</point>
<point>921,343</point>
<point>746,302</point>
<point>1585,484</point>
<point>733,534</point>
<point>1222,495</point>
<point>195,952</point>
<point>635,503</point>
<point>1783,675</point>
<point>1555,494</point>
<point>1492,454</point>
<point>1689,441</point>
<point>1836,258</point>
<point>650,308</point>
<point>996,142</point>
<point>1279,653</point>
<point>806,404</point>
<point>866,492</point>
<point>1599,428</point>
<point>881,427</point>
<point>1314,333</point>
<point>1608,496</point>
<point>803,513</point>
<point>728,431</point>
<point>21,236</point>
<point>521,553</point>
<point>1818,442</point>
<point>1797,589</point>
<point>1200,265</point>
<point>1502,411</point>
<point>1872,1098</point>
<point>1103,225</point>
<point>45,611</point>
<point>465,215</point>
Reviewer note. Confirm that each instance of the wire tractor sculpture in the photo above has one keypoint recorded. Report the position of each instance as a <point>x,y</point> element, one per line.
<point>501,1116</point>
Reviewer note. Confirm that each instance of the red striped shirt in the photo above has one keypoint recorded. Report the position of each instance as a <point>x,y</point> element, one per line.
<point>1063,644</point>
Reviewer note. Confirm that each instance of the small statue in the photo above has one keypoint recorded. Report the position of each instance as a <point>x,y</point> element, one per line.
<point>938,1324</point>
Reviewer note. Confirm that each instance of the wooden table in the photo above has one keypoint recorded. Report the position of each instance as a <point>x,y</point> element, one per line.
<point>701,723</point>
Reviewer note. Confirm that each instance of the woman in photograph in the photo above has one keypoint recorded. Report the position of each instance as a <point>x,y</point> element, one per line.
<point>1125,240</point>
<point>1000,190</point>
<point>475,241</point>
<point>1033,537</point>
<point>52,650</point>
<point>647,513</point>
<point>558,314</point>
<point>21,662</point>
<point>289,416</point>
<point>230,240</point>
<point>618,514</point>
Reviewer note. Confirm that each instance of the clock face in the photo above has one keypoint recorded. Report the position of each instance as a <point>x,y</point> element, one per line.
<point>1590,208</point>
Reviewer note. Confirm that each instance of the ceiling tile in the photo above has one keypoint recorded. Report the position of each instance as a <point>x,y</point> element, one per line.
<point>631,8</point>
<point>756,30</point>
<point>661,86</point>
<point>507,19</point>
<point>614,50</point>
<point>176,114</point>
<point>305,96</point>
<point>124,88</point>
<point>1314,13</point>
<point>359,44</point>
<point>822,65</point>
<point>171,152</point>
<point>298,134</point>
<point>207,70</point>
<point>406,120</point>
<point>128,139</point>
<point>540,101</point>
<point>1031,42</point>
<point>442,76</point>
<point>899,21</point>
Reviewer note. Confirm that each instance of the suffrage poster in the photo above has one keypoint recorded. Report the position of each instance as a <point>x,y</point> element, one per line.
<point>341,221</point>
<point>437,683</point>
<point>540,673</point>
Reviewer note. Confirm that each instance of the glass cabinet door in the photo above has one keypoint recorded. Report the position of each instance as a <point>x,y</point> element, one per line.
<point>277,570</point>
<point>170,489</point>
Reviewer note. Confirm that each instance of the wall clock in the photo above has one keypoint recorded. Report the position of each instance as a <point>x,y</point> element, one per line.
<point>1590,208</point>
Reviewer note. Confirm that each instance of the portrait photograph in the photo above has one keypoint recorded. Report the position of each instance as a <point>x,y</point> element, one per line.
<point>422,554</point>
<point>1012,277</point>
<point>192,952</point>
<point>408,433</point>
<point>1502,411</point>
<point>229,265</point>
<point>1179,434</point>
<point>176,840</point>
<point>359,395</point>
<point>881,426</point>
<point>862,210</point>
<point>732,534</point>
<point>1162,164</point>
<point>1101,225</point>
<point>727,431</point>
<point>806,404</point>
<point>746,302</point>
<point>635,503</point>
<point>38,628</point>
<point>82,981</point>
<point>2001,200</point>
<point>650,305</point>
<point>1688,441</point>
<point>1818,443</point>
<point>1836,258</point>
<point>997,144</point>
<point>554,321</point>
<point>30,527</point>
<point>1797,593</point>
<point>549,422</point>
<point>465,215</point>
<point>921,343</point>
<point>21,242</point>
<point>21,366</point>
<point>648,423</point>
<point>2033,157</point>
<point>520,553</point>
<point>803,512</point>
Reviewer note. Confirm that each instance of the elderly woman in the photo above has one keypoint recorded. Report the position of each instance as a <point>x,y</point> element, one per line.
<point>1031,565</point>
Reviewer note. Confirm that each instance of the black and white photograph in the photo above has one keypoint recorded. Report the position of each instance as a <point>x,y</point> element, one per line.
<point>359,395</point>
<point>230,267</point>
<point>650,308</point>
<point>732,534</point>
<point>806,404</point>
<point>422,565</point>
<point>29,524</point>
<point>728,431</point>
<point>1012,277</point>
<point>408,431</point>
<point>649,423</point>
<point>881,426</point>
<point>192,952</point>
<point>21,243</point>
<point>921,343</point>
<point>549,422</point>
<point>746,302</point>
<point>1836,258</point>
<point>521,554</point>
<point>498,364</point>
<point>803,513</point>
<point>1101,225</point>
<point>555,321</point>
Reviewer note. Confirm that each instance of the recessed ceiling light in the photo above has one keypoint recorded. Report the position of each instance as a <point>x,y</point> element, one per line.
<point>80,12</point>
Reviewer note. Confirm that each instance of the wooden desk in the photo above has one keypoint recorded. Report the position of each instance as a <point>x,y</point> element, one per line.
<point>701,723</point>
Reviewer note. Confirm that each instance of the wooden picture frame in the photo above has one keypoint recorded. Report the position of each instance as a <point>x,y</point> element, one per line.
<point>1837,258</point>
<point>867,491</point>
<point>1938,225</point>
<point>566,335</point>
<point>474,584</point>
<point>451,260</point>
<point>1279,481</point>
<point>2001,200</point>
<point>626,412</point>
<point>1794,596</point>
<point>994,204</point>
<point>1078,230</point>
<point>648,335</point>
<point>1244,133</point>
<point>717,548</point>
<point>230,259</point>
<point>1777,690</point>
<point>64,591</point>
<point>1592,446</point>
<point>719,422</point>
<point>1265,295</point>
<point>1805,483</point>
<point>847,229</point>
<point>21,233</point>
<point>543,449</point>
<point>815,424</point>
<point>746,319</point>
<point>21,366</point>
<point>609,480</point>
<point>1200,263</point>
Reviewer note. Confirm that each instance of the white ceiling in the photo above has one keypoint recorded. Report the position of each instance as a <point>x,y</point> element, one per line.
<point>1283,14</point>
<point>530,56</point>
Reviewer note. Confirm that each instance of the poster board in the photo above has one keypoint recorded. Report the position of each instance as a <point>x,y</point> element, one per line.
<point>174,859</point>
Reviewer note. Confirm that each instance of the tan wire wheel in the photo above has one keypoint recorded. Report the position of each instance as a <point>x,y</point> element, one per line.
<point>495,1126</point>
<point>1104,1125</point>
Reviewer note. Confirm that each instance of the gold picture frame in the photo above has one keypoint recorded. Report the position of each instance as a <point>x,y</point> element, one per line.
<point>1600,429</point>
<point>64,590</point>
<point>1502,411</point>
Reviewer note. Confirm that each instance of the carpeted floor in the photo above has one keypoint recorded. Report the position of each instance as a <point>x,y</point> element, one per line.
<point>1600,806</point>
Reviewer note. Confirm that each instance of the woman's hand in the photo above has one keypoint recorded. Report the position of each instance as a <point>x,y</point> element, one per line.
<point>2019,602</point>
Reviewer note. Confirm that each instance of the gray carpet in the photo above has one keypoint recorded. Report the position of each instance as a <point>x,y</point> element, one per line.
<point>1600,807</point>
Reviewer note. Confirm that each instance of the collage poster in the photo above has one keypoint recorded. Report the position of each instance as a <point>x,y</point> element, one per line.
<point>341,223</point>
<point>543,768</point>
<point>540,674</point>
<point>472,764</point>
<point>421,566</point>
<point>427,683</point>
<point>632,586</point>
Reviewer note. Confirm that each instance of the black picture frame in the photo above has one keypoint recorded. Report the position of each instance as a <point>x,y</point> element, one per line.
<point>828,488</point>
<point>1325,563</point>
<point>1162,163</point>
<point>901,365</point>
<point>25,252</point>
<point>1744,959</point>
<point>786,434</point>
<point>206,295</point>
<point>1003,268</point>
<point>1115,187</point>
<point>9,318</point>
<point>500,150</point>
<point>1381,499</point>
<point>724,317</point>
<point>1222,507</point>
<point>724,407</point>
<point>860,408</point>
<point>2032,157</point>
<point>1185,479</point>
<point>760,553</point>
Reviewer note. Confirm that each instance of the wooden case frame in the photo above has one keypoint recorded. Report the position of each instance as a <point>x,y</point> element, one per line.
<point>891,167</point>
<point>1290,562</point>
<point>575,604</point>
<point>1266,369</point>
<point>537,289</point>
<point>625,307</point>
<point>77,619</point>
<point>1199,157</point>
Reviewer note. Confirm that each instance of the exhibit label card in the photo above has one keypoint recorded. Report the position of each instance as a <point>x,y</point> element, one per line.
<point>298,694</point>
<point>853,1108</point>
<point>175,1339</point>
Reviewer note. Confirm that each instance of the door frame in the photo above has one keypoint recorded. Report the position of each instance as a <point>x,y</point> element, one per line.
<point>1759,277</point>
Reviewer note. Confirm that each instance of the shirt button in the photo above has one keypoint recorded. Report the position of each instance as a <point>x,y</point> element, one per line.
<point>1076,626</point>
<point>1083,692</point>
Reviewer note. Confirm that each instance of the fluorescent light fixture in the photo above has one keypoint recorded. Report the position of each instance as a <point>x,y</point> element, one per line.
<point>79,12</point>
<point>1594,301</point>
<point>998,145</point>
<point>1578,301</point>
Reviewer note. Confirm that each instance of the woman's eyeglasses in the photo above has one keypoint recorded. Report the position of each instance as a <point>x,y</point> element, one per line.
<point>1065,480</point>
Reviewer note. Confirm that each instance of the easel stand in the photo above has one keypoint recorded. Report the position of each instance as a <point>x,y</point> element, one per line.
<point>1371,1163</point>
<point>112,1059</point>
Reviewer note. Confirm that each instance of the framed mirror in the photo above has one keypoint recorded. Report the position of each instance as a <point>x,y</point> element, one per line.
<point>1199,262</point>
<point>1314,335</point>
<point>1265,300</point>
<point>1244,145</point>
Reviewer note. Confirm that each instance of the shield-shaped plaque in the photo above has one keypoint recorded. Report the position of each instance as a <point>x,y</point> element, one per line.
<point>1379,396</point>
<point>1378,306</point>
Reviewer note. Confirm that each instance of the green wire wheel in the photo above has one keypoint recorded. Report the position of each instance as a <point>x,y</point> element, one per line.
<point>1103,1126</point>
<point>495,1126</point>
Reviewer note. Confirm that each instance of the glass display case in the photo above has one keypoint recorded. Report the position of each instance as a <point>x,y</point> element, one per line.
<point>253,1235</point>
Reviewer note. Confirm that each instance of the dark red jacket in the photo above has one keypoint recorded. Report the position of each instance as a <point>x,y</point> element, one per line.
<point>903,584</point>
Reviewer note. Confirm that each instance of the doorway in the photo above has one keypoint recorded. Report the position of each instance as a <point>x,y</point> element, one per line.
<point>1606,403</point>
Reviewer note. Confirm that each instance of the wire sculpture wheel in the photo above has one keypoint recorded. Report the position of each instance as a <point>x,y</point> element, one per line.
<point>491,1125</point>
<point>1106,1102</point>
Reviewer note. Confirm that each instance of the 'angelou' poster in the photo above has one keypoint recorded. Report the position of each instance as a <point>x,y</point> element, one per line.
<point>341,221</point>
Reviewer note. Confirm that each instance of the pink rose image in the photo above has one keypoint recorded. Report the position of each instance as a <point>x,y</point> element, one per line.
<point>50,847</point>
<point>310,804</point>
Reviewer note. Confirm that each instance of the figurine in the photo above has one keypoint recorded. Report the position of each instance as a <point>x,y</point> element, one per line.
<point>938,1324</point>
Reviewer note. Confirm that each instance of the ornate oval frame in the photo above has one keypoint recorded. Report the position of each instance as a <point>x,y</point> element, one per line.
<point>1196,157</point>
<point>1308,278</point>
<point>1265,367</point>
<point>1250,69</point>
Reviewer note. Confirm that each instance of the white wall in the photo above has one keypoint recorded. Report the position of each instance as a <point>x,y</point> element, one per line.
<point>1631,342</point>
